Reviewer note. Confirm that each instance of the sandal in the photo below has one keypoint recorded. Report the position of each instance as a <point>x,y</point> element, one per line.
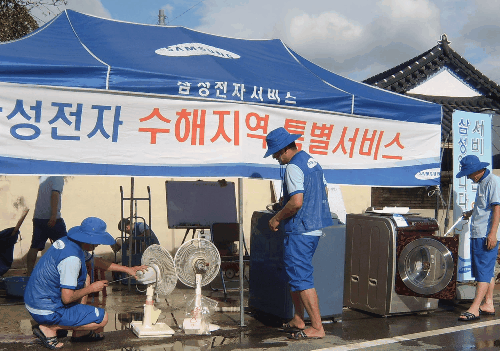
<point>50,343</point>
<point>301,335</point>
<point>486,313</point>
<point>469,317</point>
<point>287,328</point>
<point>90,337</point>
<point>61,333</point>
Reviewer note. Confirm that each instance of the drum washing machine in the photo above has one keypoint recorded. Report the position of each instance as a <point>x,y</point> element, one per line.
<point>396,264</point>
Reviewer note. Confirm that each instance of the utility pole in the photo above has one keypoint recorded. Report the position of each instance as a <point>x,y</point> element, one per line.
<point>161,18</point>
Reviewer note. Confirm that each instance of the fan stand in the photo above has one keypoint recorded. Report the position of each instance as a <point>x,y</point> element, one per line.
<point>198,259</point>
<point>148,327</point>
<point>196,324</point>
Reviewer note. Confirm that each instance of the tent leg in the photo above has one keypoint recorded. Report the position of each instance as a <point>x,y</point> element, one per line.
<point>132,225</point>
<point>242,268</point>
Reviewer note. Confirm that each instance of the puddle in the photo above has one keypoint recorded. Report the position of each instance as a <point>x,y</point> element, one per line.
<point>487,344</point>
<point>216,343</point>
<point>121,321</point>
<point>13,338</point>
<point>188,345</point>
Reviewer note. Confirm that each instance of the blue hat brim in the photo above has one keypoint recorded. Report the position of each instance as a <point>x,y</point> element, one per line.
<point>290,139</point>
<point>94,238</point>
<point>468,171</point>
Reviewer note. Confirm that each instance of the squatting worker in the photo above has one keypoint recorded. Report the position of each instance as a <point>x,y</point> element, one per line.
<point>304,214</point>
<point>483,234</point>
<point>144,236</point>
<point>57,290</point>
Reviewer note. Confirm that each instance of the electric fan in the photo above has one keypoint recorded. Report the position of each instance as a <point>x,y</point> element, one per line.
<point>161,279</point>
<point>197,263</point>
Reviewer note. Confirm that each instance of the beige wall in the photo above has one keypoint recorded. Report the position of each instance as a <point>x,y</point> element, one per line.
<point>85,196</point>
<point>356,198</point>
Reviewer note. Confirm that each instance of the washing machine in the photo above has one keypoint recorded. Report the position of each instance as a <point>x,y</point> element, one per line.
<point>396,264</point>
<point>269,292</point>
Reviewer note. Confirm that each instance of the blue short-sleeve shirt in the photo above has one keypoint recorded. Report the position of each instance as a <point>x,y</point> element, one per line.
<point>487,195</point>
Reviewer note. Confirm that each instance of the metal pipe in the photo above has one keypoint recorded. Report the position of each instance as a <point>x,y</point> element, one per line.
<point>121,227</point>
<point>161,17</point>
<point>242,267</point>
<point>447,218</point>
<point>454,225</point>
<point>131,228</point>
<point>149,202</point>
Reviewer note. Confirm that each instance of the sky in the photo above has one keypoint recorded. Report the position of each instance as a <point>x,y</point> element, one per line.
<point>356,38</point>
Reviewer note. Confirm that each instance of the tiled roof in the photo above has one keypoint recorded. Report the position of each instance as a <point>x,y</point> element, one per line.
<point>406,76</point>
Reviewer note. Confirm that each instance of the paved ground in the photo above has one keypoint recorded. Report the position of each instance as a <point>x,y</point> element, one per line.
<point>438,330</point>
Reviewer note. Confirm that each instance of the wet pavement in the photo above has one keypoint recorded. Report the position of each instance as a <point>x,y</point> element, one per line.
<point>437,330</point>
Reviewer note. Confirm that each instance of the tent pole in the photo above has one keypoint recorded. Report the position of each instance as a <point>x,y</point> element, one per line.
<point>131,228</point>
<point>242,267</point>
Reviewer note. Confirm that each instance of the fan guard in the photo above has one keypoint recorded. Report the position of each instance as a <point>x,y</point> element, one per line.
<point>161,258</point>
<point>197,256</point>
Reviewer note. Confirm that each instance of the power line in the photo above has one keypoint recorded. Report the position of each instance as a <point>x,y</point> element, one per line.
<point>189,9</point>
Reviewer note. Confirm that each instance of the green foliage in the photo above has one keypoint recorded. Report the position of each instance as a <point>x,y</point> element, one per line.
<point>16,20</point>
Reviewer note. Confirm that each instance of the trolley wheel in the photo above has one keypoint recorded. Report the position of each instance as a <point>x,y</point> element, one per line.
<point>230,273</point>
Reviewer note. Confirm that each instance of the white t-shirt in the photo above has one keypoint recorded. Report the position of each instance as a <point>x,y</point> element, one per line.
<point>45,189</point>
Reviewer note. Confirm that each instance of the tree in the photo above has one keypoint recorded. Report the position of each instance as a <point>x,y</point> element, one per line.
<point>16,20</point>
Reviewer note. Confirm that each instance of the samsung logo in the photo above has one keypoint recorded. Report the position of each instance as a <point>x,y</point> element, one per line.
<point>426,174</point>
<point>311,163</point>
<point>464,270</point>
<point>195,49</point>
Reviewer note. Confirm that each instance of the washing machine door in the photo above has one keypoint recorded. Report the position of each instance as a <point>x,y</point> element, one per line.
<point>426,266</point>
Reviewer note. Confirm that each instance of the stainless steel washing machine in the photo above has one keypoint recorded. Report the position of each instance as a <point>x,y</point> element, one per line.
<point>396,264</point>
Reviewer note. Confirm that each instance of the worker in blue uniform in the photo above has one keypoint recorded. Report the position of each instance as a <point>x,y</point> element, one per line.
<point>56,292</point>
<point>142,234</point>
<point>484,234</point>
<point>305,211</point>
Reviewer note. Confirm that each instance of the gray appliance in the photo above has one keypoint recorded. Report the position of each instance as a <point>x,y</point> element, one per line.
<point>269,291</point>
<point>371,271</point>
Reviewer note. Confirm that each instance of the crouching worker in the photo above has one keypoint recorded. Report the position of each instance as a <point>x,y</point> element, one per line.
<point>57,290</point>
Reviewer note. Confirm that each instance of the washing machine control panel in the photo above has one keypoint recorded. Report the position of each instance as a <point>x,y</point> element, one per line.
<point>413,222</point>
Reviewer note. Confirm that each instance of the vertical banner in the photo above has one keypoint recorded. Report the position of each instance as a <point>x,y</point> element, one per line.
<point>471,136</point>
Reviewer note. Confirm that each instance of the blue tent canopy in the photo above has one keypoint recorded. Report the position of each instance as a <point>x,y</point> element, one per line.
<point>79,50</point>
<point>76,50</point>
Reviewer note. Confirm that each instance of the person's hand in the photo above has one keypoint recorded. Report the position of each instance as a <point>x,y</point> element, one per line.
<point>98,285</point>
<point>133,270</point>
<point>491,241</point>
<point>273,224</point>
<point>116,246</point>
<point>52,221</point>
<point>466,215</point>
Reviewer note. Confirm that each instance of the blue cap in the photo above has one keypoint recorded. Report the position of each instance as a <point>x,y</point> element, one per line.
<point>91,231</point>
<point>279,138</point>
<point>470,164</point>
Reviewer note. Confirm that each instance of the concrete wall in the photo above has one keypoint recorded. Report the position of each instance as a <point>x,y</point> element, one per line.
<point>356,198</point>
<point>85,196</point>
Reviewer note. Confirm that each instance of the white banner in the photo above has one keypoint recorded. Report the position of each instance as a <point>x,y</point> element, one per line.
<point>96,132</point>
